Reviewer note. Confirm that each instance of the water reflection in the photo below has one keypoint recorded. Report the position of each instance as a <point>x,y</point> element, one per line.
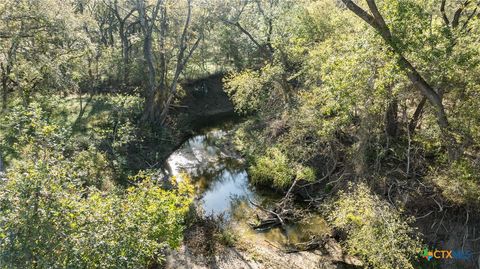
<point>198,155</point>
<point>229,185</point>
<point>223,187</point>
<point>219,174</point>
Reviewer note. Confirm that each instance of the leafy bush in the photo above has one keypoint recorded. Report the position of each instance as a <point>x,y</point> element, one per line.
<point>91,168</point>
<point>249,90</point>
<point>131,229</point>
<point>26,127</point>
<point>460,183</point>
<point>60,208</point>
<point>275,168</point>
<point>375,230</point>
<point>246,89</point>
<point>50,221</point>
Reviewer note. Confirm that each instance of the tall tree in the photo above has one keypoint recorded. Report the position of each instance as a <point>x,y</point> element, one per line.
<point>376,20</point>
<point>41,47</point>
<point>147,23</point>
<point>182,42</point>
<point>182,58</point>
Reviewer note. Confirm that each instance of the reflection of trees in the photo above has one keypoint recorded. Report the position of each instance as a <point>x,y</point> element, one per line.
<point>212,168</point>
<point>240,209</point>
<point>215,172</point>
<point>206,155</point>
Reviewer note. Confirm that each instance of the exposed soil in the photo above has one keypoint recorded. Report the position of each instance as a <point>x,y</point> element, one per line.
<point>205,101</point>
<point>261,254</point>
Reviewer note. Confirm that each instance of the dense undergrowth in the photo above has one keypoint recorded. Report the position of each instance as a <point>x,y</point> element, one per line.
<point>69,198</point>
<point>336,109</point>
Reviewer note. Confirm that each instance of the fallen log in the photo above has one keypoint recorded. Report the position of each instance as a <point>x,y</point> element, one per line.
<point>265,224</point>
<point>282,213</point>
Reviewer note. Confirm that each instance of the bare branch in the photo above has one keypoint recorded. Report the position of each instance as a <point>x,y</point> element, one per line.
<point>361,13</point>
<point>250,36</point>
<point>444,15</point>
<point>469,18</point>
<point>458,14</point>
<point>378,17</point>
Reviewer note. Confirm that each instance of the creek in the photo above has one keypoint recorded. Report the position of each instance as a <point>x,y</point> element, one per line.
<point>223,188</point>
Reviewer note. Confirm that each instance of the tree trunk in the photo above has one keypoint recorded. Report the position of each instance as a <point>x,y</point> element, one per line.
<point>182,60</point>
<point>124,41</point>
<point>4,90</point>
<point>162,57</point>
<point>6,70</point>
<point>391,118</point>
<point>122,22</point>
<point>1,165</point>
<point>412,126</point>
<point>151,96</point>
<point>434,99</point>
<point>377,22</point>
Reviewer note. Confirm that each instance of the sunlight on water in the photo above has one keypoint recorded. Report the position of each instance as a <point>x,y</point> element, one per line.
<point>224,189</point>
<point>228,185</point>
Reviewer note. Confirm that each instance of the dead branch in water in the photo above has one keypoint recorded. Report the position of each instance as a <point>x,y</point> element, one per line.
<point>270,222</point>
<point>282,213</point>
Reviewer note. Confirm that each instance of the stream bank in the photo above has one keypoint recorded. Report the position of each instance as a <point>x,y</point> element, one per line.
<point>224,193</point>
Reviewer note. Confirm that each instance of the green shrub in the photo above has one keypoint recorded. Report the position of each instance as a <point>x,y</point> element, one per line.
<point>375,230</point>
<point>246,90</point>
<point>91,168</point>
<point>27,128</point>
<point>250,90</point>
<point>48,220</point>
<point>275,168</point>
<point>132,229</point>
<point>460,183</point>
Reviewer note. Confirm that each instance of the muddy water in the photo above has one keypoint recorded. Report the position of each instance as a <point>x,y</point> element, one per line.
<point>223,187</point>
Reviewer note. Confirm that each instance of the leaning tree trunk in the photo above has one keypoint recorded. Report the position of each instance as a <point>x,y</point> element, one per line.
<point>412,126</point>
<point>376,20</point>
